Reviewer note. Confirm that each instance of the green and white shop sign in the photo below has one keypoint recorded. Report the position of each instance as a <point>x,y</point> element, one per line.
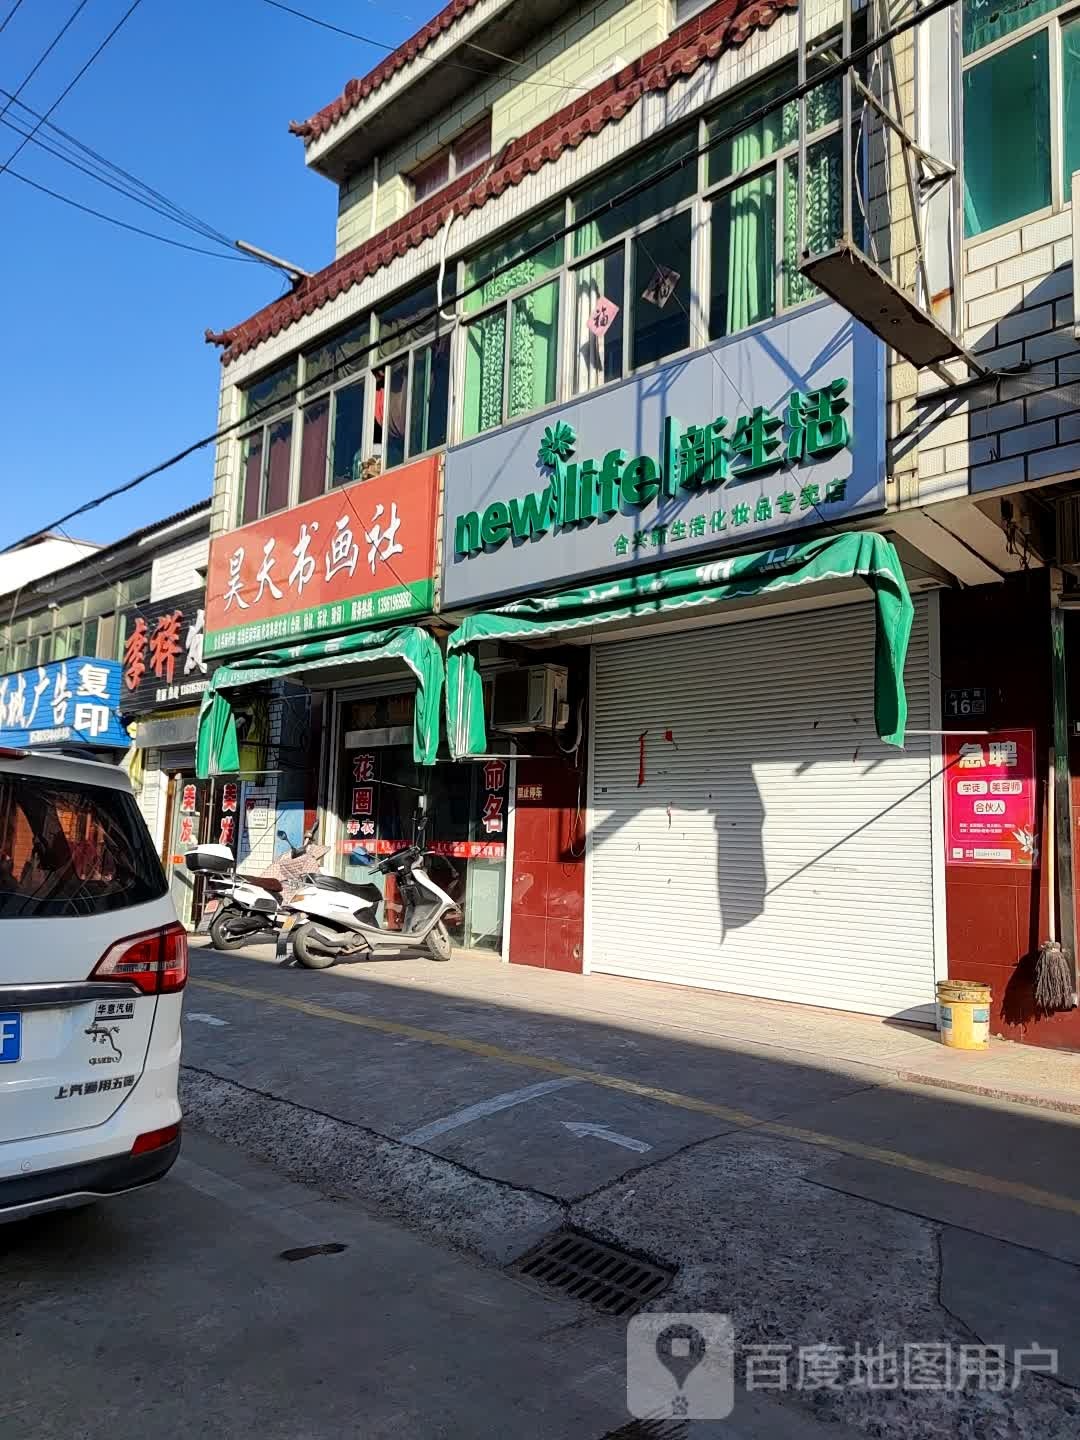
<point>773,430</point>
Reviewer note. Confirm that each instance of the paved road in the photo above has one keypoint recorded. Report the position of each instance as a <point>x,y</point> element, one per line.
<point>171,1313</point>
<point>816,1205</point>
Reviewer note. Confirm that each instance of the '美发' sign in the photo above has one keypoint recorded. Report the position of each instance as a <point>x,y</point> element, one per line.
<point>69,702</point>
<point>779,428</point>
<point>163,661</point>
<point>362,555</point>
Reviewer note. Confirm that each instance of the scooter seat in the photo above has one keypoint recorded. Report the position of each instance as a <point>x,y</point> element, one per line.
<point>363,891</point>
<point>264,882</point>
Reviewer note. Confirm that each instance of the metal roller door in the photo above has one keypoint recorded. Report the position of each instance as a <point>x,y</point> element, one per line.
<point>775,846</point>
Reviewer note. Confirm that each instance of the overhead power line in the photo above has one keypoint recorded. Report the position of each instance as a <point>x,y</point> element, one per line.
<point>45,53</point>
<point>7,17</point>
<point>719,137</point>
<point>453,64</point>
<point>71,83</point>
<point>125,225</point>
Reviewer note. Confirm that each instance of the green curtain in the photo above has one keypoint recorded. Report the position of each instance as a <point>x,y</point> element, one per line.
<point>534,335</point>
<point>484,354</point>
<point>865,555</point>
<point>751,215</point>
<point>216,750</point>
<point>824,212</point>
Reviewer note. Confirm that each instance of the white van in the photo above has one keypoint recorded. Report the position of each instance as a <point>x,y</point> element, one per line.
<point>92,968</point>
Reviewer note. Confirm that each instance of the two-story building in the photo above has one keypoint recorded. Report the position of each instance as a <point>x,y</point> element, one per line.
<point>698,613</point>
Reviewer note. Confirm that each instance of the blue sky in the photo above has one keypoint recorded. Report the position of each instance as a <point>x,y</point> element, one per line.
<point>105,368</point>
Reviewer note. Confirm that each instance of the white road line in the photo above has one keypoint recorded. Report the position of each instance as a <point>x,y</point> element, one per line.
<point>203,1018</point>
<point>484,1107</point>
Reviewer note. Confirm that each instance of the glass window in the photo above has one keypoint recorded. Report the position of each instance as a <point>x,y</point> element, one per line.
<point>278,464</point>
<point>390,395</point>
<point>1070,101</point>
<point>1007,135</point>
<point>660,291</point>
<point>485,355</point>
<point>343,354</point>
<point>135,588</point>
<point>251,473</point>
<point>431,176</point>
<point>596,294</point>
<point>430,397</point>
<point>272,390</point>
<point>71,852</point>
<point>472,147</point>
<point>106,638</point>
<point>824,212</point>
<point>743,261</point>
<point>774,131</point>
<point>642,207</point>
<point>534,350</point>
<point>89,638</point>
<point>314,438</point>
<point>408,319</point>
<point>985,21</point>
<point>346,458</point>
<point>505,250</point>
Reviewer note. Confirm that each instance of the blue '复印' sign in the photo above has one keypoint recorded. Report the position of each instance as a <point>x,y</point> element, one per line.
<point>68,702</point>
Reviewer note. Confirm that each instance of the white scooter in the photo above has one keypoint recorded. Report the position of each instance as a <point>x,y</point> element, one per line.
<point>331,919</point>
<point>248,906</point>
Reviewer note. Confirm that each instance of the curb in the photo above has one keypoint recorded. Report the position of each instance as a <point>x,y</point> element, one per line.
<point>991,1092</point>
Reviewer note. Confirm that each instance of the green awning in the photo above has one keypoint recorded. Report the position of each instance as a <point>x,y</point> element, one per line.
<point>863,555</point>
<point>216,750</point>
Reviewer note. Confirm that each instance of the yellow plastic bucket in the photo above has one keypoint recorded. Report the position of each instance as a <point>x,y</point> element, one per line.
<point>964,1014</point>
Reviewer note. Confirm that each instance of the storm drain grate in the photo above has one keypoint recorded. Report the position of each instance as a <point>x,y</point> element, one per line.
<point>599,1275</point>
<point>650,1430</point>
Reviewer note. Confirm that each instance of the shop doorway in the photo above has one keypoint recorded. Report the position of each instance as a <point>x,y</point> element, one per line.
<point>378,792</point>
<point>185,808</point>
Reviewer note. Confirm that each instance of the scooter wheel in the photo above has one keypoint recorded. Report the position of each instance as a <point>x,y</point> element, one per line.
<point>307,951</point>
<point>438,942</point>
<point>222,937</point>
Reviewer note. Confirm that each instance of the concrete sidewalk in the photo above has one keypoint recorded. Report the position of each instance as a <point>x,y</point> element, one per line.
<point>777,1159</point>
<point>892,1051</point>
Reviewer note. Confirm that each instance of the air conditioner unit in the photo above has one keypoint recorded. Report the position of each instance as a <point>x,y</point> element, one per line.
<point>533,698</point>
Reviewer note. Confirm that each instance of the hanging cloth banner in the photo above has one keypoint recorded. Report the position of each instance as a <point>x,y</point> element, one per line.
<point>217,751</point>
<point>863,555</point>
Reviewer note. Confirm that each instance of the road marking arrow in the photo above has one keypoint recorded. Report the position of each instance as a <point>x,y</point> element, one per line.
<point>203,1018</point>
<point>581,1128</point>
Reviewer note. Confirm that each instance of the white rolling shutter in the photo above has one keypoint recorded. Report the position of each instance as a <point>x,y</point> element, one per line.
<point>776,847</point>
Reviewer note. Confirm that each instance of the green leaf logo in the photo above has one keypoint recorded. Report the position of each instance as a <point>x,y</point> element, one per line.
<point>558,444</point>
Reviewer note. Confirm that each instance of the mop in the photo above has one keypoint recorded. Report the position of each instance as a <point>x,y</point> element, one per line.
<point>1054,989</point>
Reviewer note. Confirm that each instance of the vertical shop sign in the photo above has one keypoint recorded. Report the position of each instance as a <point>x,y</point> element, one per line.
<point>990,799</point>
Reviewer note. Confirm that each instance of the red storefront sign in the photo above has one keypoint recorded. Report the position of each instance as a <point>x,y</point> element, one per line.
<point>362,555</point>
<point>454,849</point>
<point>990,798</point>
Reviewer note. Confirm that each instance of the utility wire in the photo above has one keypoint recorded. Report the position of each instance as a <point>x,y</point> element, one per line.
<point>166,212</point>
<point>45,53</point>
<point>70,85</point>
<point>720,137</point>
<point>118,170</point>
<point>125,225</point>
<point>453,64</point>
<point>7,17</point>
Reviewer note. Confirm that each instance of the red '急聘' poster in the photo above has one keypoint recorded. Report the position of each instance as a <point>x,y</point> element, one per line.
<point>990,799</point>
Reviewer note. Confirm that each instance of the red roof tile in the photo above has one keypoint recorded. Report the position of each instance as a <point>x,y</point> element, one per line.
<point>725,24</point>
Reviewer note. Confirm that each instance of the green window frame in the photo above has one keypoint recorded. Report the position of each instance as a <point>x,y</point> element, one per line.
<point>1021,110</point>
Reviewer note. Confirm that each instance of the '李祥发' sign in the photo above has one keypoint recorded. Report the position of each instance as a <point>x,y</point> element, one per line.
<point>69,702</point>
<point>163,662</point>
<point>360,556</point>
<point>768,431</point>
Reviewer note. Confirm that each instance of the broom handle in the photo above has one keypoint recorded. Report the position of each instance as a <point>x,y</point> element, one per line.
<point>1051,870</point>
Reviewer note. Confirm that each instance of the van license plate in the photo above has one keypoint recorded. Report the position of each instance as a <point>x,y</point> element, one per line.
<point>10,1037</point>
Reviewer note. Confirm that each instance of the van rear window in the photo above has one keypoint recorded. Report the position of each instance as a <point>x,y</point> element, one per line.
<point>67,851</point>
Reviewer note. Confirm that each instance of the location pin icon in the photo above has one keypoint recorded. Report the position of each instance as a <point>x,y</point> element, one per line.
<point>680,1349</point>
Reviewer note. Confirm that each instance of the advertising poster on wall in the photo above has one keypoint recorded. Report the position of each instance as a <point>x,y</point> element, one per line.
<point>990,799</point>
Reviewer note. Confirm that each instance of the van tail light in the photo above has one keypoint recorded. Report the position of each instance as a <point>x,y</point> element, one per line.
<point>156,962</point>
<point>155,1139</point>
